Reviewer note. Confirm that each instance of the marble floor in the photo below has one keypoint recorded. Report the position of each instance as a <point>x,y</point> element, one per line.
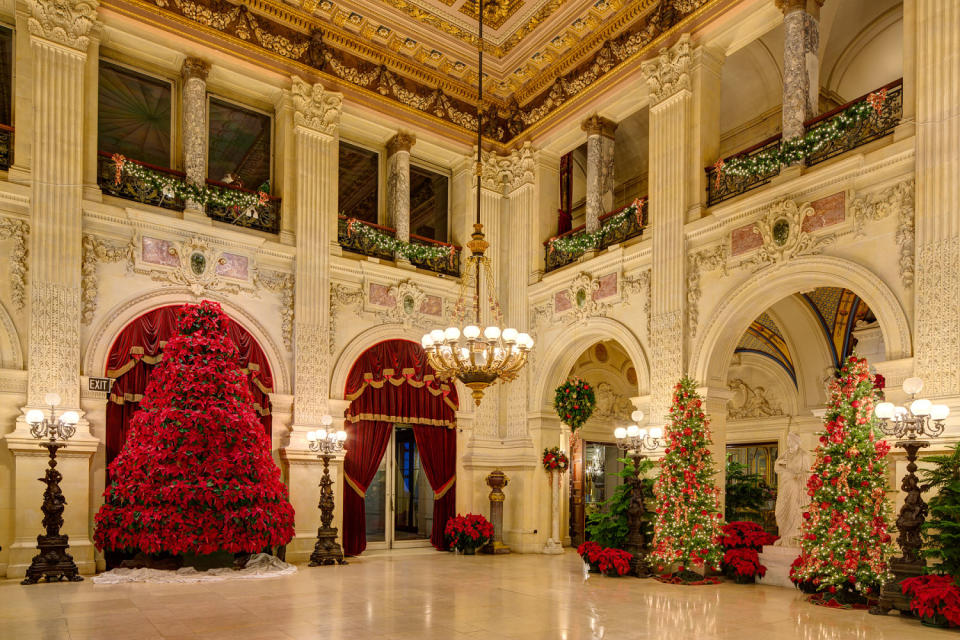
<point>427,595</point>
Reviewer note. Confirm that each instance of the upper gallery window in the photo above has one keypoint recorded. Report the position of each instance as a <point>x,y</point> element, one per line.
<point>6,76</point>
<point>134,115</point>
<point>239,146</point>
<point>429,203</point>
<point>358,185</point>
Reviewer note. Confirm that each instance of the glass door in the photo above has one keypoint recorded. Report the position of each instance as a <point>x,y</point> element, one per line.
<point>399,501</point>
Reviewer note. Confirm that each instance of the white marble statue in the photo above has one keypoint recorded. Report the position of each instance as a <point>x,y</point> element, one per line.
<point>793,469</point>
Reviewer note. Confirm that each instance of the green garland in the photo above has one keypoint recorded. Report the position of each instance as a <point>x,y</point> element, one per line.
<point>580,243</point>
<point>796,149</point>
<point>574,402</point>
<point>172,187</point>
<point>409,250</point>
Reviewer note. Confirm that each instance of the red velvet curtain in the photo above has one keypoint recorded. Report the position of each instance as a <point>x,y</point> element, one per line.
<point>438,453</point>
<point>366,443</point>
<point>393,383</point>
<point>139,348</point>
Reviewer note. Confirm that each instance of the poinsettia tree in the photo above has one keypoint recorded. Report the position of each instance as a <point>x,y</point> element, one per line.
<point>688,523</point>
<point>845,539</point>
<point>195,475</point>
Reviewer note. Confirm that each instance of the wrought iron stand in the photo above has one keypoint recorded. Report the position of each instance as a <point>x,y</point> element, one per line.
<point>327,550</point>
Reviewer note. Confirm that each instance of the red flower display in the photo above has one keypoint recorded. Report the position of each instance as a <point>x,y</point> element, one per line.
<point>743,563</point>
<point>196,474</point>
<point>468,532</point>
<point>615,562</point>
<point>934,597</point>
<point>555,460</point>
<point>746,535</point>
<point>590,551</point>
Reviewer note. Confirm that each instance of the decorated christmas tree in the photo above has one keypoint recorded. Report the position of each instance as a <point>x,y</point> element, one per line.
<point>845,541</point>
<point>688,523</point>
<point>195,475</point>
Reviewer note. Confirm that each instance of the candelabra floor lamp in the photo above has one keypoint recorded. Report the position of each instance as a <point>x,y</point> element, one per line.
<point>920,419</point>
<point>635,441</point>
<point>53,563</point>
<point>327,444</point>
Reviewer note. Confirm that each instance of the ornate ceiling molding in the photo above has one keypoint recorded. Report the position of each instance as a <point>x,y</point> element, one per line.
<point>286,33</point>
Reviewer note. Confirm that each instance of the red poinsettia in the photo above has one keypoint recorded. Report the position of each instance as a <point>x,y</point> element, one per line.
<point>744,563</point>
<point>196,474</point>
<point>615,561</point>
<point>555,460</point>
<point>590,551</point>
<point>471,531</point>
<point>746,535</point>
<point>934,597</point>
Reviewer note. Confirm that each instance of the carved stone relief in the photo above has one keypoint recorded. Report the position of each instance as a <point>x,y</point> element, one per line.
<point>16,230</point>
<point>66,22</point>
<point>314,107</point>
<point>194,264</point>
<point>669,72</point>
<point>341,297</point>
<point>897,199</point>
<point>96,251</point>
<point>783,236</point>
<point>666,367</point>
<point>610,404</point>
<point>282,284</point>
<point>750,402</point>
<point>938,329</point>
<point>708,260</point>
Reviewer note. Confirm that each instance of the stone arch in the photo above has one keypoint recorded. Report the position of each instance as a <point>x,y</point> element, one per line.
<point>719,337</point>
<point>562,354</point>
<point>105,330</point>
<point>11,353</point>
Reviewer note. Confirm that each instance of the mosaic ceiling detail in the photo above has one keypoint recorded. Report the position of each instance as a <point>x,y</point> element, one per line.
<point>421,53</point>
<point>839,311</point>
<point>764,337</point>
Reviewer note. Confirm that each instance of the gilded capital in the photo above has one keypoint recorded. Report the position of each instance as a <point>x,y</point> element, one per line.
<point>809,6</point>
<point>669,72</point>
<point>402,141</point>
<point>314,107</point>
<point>596,125</point>
<point>66,22</point>
<point>195,68</point>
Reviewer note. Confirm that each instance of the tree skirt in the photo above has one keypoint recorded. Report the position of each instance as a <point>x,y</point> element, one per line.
<point>672,578</point>
<point>826,600</point>
<point>260,565</point>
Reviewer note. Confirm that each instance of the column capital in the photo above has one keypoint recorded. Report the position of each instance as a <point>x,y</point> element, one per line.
<point>597,125</point>
<point>517,168</point>
<point>402,141</point>
<point>66,22</point>
<point>315,107</point>
<point>809,6</point>
<point>669,73</point>
<point>195,68</point>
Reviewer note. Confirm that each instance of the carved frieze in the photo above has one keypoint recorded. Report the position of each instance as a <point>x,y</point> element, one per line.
<point>16,230</point>
<point>750,402</point>
<point>341,297</point>
<point>782,235</point>
<point>97,251</point>
<point>283,284</point>
<point>703,260</point>
<point>896,199</point>
<point>194,264</point>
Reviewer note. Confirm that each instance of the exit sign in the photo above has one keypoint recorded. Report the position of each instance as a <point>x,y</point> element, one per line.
<point>100,384</point>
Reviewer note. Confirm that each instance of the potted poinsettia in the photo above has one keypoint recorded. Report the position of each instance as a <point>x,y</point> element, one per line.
<point>590,552</point>
<point>742,542</point>
<point>615,562</point>
<point>468,533</point>
<point>935,599</point>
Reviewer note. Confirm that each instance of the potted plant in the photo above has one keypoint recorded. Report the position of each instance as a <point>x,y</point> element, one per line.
<point>468,533</point>
<point>934,599</point>
<point>743,565</point>
<point>746,535</point>
<point>590,552</point>
<point>615,562</point>
<point>742,543</point>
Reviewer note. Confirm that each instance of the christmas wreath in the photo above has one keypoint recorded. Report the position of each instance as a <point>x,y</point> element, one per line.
<point>574,402</point>
<point>555,460</point>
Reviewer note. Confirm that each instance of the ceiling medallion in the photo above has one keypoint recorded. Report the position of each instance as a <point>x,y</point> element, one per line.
<point>477,358</point>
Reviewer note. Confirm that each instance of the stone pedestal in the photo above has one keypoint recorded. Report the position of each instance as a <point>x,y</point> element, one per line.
<point>497,480</point>
<point>553,545</point>
<point>777,560</point>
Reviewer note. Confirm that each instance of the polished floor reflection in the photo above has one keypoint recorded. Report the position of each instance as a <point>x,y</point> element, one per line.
<point>426,595</point>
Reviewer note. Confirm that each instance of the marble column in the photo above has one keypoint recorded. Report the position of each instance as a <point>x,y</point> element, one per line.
<point>398,183</point>
<point>600,177</point>
<point>59,40</point>
<point>194,73</point>
<point>937,287</point>
<point>668,78</point>
<point>316,119</point>
<point>801,65</point>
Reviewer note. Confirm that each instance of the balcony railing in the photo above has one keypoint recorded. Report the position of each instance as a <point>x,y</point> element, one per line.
<point>615,227</point>
<point>368,239</point>
<point>167,188</point>
<point>6,146</point>
<point>847,127</point>
<point>122,184</point>
<point>262,212</point>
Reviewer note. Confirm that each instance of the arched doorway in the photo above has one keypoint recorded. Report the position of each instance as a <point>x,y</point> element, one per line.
<point>138,348</point>
<point>400,465</point>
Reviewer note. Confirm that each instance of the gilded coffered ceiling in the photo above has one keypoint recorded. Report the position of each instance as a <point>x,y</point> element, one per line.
<point>423,53</point>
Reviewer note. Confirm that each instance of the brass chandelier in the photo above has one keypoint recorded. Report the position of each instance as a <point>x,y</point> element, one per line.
<point>476,357</point>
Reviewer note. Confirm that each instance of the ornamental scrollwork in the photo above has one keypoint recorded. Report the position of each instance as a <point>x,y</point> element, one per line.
<point>197,266</point>
<point>282,284</point>
<point>705,260</point>
<point>669,72</point>
<point>96,251</point>
<point>341,297</point>
<point>897,199</point>
<point>16,230</point>
<point>783,236</point>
